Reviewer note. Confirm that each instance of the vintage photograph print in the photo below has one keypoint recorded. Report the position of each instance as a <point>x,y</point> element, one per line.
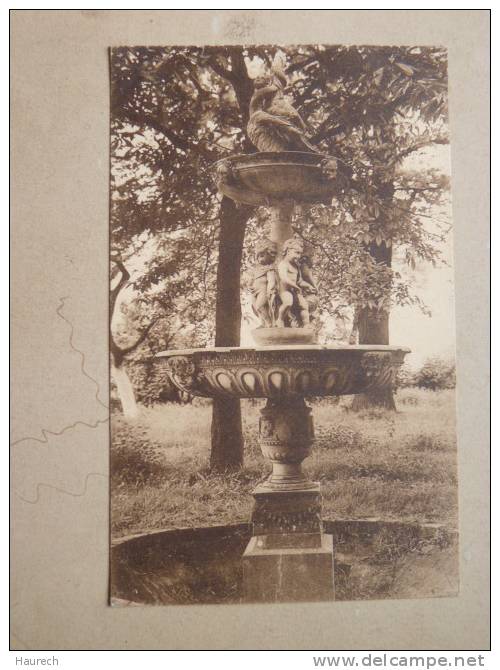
<point>282,341</point>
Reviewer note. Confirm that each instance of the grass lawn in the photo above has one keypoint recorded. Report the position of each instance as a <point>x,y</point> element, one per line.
<point>372,464</point>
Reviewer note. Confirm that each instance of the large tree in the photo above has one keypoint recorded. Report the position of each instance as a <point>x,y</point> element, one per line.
<point>188,108</point>
<point>374,107</point>
<point>176,111</point>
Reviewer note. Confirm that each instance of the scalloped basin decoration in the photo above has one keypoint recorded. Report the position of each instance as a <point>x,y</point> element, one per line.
<point>268,178</point>
<point>275,372</point>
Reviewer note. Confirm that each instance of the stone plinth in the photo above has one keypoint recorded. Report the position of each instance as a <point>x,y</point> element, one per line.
<point>292,567</point>
<point>296,511</point>
<point>288,557</point>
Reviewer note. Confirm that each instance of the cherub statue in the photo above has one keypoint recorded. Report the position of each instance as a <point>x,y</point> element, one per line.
<point>307,282</point>
<point>294,308</point>
<point>274,124</point>
<point>265,283</point>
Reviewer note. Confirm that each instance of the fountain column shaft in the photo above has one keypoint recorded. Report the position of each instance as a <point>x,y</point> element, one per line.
<point>281,223</point>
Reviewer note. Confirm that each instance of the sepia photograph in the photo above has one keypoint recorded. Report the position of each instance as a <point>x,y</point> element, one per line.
<point>282,326</point>
<point>250,337</point>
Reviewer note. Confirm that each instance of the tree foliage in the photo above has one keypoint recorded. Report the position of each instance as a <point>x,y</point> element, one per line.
<point>435,374</point>
<point>175,111</point>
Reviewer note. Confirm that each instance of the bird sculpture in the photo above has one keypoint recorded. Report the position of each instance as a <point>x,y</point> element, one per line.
<point>274,124</point>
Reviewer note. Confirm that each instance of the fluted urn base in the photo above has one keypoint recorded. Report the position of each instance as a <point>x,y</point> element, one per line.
<point>286,434</point>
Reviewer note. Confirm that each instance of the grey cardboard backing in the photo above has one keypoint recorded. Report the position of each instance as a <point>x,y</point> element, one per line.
<point>59,455</point>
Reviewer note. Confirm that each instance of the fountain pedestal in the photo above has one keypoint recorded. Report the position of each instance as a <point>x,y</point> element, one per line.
<point>288,558</point>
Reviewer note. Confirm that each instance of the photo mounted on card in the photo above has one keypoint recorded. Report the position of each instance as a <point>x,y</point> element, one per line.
<point>282,336</point>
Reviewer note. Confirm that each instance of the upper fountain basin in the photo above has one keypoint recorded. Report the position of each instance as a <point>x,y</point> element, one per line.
<point>275,372</point>
<point>268,178</point>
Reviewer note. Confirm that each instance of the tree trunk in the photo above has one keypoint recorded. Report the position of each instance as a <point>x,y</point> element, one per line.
<point>227,436</point>
<point>373,328</point>
<point>125,391</point>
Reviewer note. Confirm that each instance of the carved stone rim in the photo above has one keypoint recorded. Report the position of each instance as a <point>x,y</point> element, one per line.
<point>269,158</point>
<point>282,371</point>
<point>288,347</point>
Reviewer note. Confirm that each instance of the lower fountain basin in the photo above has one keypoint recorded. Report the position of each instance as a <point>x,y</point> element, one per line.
<point>283,371</point>
<point>373,559</point>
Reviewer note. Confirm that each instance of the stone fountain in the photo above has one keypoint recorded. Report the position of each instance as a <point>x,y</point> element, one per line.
<point>289,557</point>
